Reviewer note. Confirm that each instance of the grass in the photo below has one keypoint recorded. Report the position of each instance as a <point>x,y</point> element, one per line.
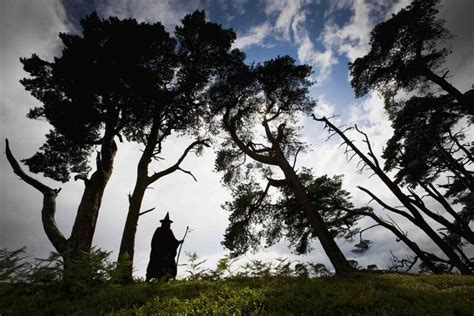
<point>364,294</point>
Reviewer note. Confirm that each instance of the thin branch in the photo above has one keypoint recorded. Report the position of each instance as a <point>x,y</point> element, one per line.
<point>147,211</point>
<point>176,166</point>
<point>296,156</point>
<point>82,177</point>
<point>188,172</point>
<point>371,152</point>
<point>384,205</point>
<point>278,183</point>
<point>231,128</point>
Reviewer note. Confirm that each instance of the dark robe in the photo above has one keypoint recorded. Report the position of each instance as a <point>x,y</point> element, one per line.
<point>163,251</point>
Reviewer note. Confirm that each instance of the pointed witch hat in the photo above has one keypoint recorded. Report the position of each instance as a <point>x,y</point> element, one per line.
<point>166,219</point>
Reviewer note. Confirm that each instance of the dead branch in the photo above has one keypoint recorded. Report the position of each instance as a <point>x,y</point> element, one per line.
<point>147,211</point>
<point>49,203</point>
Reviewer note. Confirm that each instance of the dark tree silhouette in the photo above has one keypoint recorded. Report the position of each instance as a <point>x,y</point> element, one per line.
<point>256,218</point>
<point>405,54</point>
<point>414,210</point>
<point>201,50</point>
<point>106,80</point>
<point>427,146</point>
<point>271,95</point>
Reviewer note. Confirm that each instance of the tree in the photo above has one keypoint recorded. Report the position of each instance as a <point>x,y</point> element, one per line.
<point>405,54</point>
<point>255,216</point>
<point>415,210</point>
<point>427,148</point>
<point>427,144</point>
<point>271,95</point>
<point>201,50</point>
<point>96,91</point>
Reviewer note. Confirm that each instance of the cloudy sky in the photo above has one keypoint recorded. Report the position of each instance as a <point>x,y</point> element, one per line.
<point>325,34</point>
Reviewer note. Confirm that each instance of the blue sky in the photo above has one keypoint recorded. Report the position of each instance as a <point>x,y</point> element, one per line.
<point>325,34</point>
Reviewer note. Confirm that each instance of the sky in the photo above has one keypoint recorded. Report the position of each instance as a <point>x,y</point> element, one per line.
<point>322,33</point>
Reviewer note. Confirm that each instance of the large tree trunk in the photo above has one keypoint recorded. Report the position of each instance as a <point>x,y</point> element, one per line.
<point>127,245</point>
<point>332,250</point>
<point>88,210</point>
<point>78,246</point>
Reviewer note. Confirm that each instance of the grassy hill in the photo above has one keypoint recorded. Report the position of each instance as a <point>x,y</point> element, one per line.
<point>383,294</point>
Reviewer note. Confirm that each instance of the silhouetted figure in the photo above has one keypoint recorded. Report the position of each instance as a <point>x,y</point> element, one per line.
<point>163,251</point>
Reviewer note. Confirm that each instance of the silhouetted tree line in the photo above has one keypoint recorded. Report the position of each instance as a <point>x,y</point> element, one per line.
<point>129,81</point>
<point>429,141</point>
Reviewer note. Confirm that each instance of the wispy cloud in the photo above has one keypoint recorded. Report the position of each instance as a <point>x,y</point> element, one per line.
<point>352,39</point>
<point>168,12</point>
<point>290,24</point>
<point>255,36</point>
<point>287,14</point>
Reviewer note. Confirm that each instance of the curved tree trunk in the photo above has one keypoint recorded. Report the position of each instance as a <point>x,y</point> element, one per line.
<point>79,243</point>
<point>332,250</point>
<point>48,210</point>
<point>88,210</point>
<point>337,258</point>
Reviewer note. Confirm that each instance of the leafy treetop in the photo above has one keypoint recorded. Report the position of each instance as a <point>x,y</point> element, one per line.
<point>403,51</point>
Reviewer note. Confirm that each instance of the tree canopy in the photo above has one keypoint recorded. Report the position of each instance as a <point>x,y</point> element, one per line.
<point>404,52</point>
<point>103,84</point>
<point>258,220</point>
<point>261,106</point>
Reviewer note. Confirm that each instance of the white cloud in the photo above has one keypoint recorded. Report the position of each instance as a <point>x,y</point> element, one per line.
<point>287,12</point>
<point>255,36</point>
<point>324,108</point>
<point>352,39</point>
<point>168,12</point>
<point>290,25</point>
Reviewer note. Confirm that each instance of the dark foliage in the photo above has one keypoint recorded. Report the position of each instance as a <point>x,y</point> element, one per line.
<point>421,126</point>
<point>107,80</point>
<point>256,220</point>
<point>261,106</point>
<point>202,49</point>
<point>429,149</point>
<point>403,51</point>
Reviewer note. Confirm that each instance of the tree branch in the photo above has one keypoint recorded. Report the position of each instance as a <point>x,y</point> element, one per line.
<point>384,205</point>
<point>188,172</point>
<point>371,152</point>
<point>147,211</point>
<point>49,203</point>
<point>278,183</point>
<point>296,156</point>
<point>176,166</point>
<point>230,127</point>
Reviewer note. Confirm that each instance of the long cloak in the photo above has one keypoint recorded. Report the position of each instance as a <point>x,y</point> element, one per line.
<point>163,252</point>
